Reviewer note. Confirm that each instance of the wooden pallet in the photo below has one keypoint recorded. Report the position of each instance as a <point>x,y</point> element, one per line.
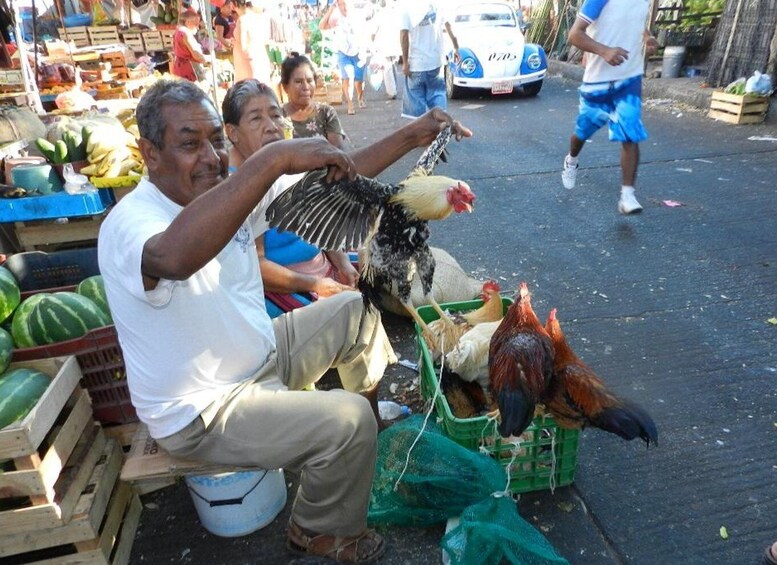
<point>124,434</point>
<point>737,109</point>
<point>133,40</point>
<point>78,35</point>
<point>103,35</point>
<point>152,41</point>
<point>102,529</point>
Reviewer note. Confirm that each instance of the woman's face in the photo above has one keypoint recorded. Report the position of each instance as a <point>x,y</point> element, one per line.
<point>261,123</point>
<point>301,86</point>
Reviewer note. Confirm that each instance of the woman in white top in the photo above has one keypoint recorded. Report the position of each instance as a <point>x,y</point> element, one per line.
<point>250,43</point>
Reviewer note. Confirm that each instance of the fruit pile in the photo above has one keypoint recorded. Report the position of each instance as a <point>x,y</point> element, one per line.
<point>70,148</point>
<point>111,155</point>
<point>49,317</point>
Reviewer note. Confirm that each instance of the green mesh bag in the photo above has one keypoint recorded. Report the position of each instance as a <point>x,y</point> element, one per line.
<point>440,480</point>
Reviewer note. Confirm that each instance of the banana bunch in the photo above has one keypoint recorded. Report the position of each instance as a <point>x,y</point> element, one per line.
<point>112,155</point>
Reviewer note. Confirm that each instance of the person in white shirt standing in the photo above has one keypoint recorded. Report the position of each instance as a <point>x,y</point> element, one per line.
<point>351,43</point>
<point>422,26</point>
<point>614,34</point>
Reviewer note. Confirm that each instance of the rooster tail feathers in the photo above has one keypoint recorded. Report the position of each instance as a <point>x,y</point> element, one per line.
<point>628,421</point>
<point>516,412</point>
<point>435,152</point>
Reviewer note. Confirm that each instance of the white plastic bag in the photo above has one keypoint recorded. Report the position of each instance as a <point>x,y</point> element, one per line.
<point>759,84</point>
<point>76,183</point>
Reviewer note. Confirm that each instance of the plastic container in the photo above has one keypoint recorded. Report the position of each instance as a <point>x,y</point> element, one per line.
<point>547,455</point>
<point>58,205</point>
<point>75,20</point>
<point>41,177</point>
<point>37,271</point>
<point>390,410</point>
<point>673,61</point>
<point>236,504</point>
<point>12,162</point>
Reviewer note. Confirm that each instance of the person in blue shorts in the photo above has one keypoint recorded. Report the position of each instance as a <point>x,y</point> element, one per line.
<point>614,35</point>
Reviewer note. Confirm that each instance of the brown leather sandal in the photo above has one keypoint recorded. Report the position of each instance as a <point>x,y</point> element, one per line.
<point>362,549</point>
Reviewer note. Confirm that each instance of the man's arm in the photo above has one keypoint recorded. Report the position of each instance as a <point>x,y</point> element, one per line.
<point>580,39</point>
<point>326,22</point>
<point>206,224</point>
<point>373,159</point>
<point>449,29</point>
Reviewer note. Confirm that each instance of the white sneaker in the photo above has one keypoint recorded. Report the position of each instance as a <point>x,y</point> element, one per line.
<point>569,174</point>
<point>628,203</point>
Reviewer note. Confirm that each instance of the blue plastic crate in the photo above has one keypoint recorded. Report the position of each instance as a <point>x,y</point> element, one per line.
<point>53,206</point>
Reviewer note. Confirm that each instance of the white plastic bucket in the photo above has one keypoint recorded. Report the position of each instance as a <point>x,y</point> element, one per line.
<point>236,504</point>
<point>673,61</point>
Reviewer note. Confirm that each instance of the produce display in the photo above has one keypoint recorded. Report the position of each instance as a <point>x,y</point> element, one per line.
<point>20,329</point>
<point>9,294</point>
<point>20,390</point>
<point>111,155</point>
<point>71,148</point>
<point>63,315</point>
<point>6,350</point>
<point>94,289</point>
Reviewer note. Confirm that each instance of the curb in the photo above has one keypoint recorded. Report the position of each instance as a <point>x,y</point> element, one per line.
<point>684,90</point>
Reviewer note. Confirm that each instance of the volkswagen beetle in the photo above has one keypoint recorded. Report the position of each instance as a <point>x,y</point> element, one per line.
<point>494,54</point>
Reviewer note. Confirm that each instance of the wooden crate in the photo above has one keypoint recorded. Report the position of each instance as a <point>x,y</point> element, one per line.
<point>102,529</point>
<point>334,93</point>
<point>60,480</point>
<point>103,35</point>
<point>152,41</point>
<point>115,58</point>
<point>68,445</point>
<point>167,38</point>
<point>22,438</point>
<point>78,35</point>
<point>46,235</point>
<point>738,109</point>
<point>133,40</point>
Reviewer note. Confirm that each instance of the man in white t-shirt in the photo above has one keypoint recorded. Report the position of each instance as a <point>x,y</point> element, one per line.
<point>422,25</point>
<point>210,374</point>
<point>614,34</point>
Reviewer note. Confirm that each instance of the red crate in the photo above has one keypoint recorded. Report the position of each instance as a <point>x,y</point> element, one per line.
<point>104,374</point>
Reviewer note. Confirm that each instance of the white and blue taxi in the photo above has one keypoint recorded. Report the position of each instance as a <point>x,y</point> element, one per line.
<point>494,54</point>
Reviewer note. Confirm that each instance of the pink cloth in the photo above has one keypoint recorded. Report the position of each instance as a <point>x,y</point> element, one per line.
<point>249,51</point>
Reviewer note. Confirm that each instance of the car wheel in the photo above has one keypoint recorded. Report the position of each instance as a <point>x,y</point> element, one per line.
<point>451,90</point>
<point>532,88</point>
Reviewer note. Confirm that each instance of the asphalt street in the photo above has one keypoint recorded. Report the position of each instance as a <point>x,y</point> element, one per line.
<point>671,307</point>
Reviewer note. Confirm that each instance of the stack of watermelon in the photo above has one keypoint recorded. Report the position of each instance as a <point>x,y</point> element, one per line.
<point>41,319</point>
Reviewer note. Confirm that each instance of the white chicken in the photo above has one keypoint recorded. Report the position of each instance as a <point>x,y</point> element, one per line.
<point>469,359</point>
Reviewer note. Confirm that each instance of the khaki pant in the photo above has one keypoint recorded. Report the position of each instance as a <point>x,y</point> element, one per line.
<point>328,437</point>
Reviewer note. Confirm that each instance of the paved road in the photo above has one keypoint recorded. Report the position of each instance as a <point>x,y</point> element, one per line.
<point>670,307</point>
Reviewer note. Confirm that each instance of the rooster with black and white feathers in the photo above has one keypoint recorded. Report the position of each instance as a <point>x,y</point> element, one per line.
<point>388,223</point>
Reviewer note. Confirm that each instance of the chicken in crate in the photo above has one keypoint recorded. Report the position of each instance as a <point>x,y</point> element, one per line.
<point>513,388</point>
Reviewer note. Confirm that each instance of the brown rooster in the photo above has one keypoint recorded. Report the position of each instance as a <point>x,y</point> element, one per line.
<point>520,364</point>
<point>442,334</point>
<point>577,397</point>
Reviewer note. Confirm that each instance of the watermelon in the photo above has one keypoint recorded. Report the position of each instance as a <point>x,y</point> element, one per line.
<point>20,390</point>
<point>9,293</point>
<point>63,315</point>
<point>94,289</point>
<point>6,348</point>
<point>20,328</point>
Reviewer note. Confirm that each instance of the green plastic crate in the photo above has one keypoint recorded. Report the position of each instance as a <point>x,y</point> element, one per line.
<point>546,456</point>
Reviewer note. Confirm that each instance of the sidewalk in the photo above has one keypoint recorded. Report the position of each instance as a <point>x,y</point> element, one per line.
<point>689,91</point>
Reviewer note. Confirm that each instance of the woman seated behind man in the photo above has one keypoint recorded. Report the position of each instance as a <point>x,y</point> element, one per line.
<point>293,271</point>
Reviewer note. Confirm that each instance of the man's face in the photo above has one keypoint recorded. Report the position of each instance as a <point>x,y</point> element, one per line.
<point>261,123</point>
<point>193,158</point>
